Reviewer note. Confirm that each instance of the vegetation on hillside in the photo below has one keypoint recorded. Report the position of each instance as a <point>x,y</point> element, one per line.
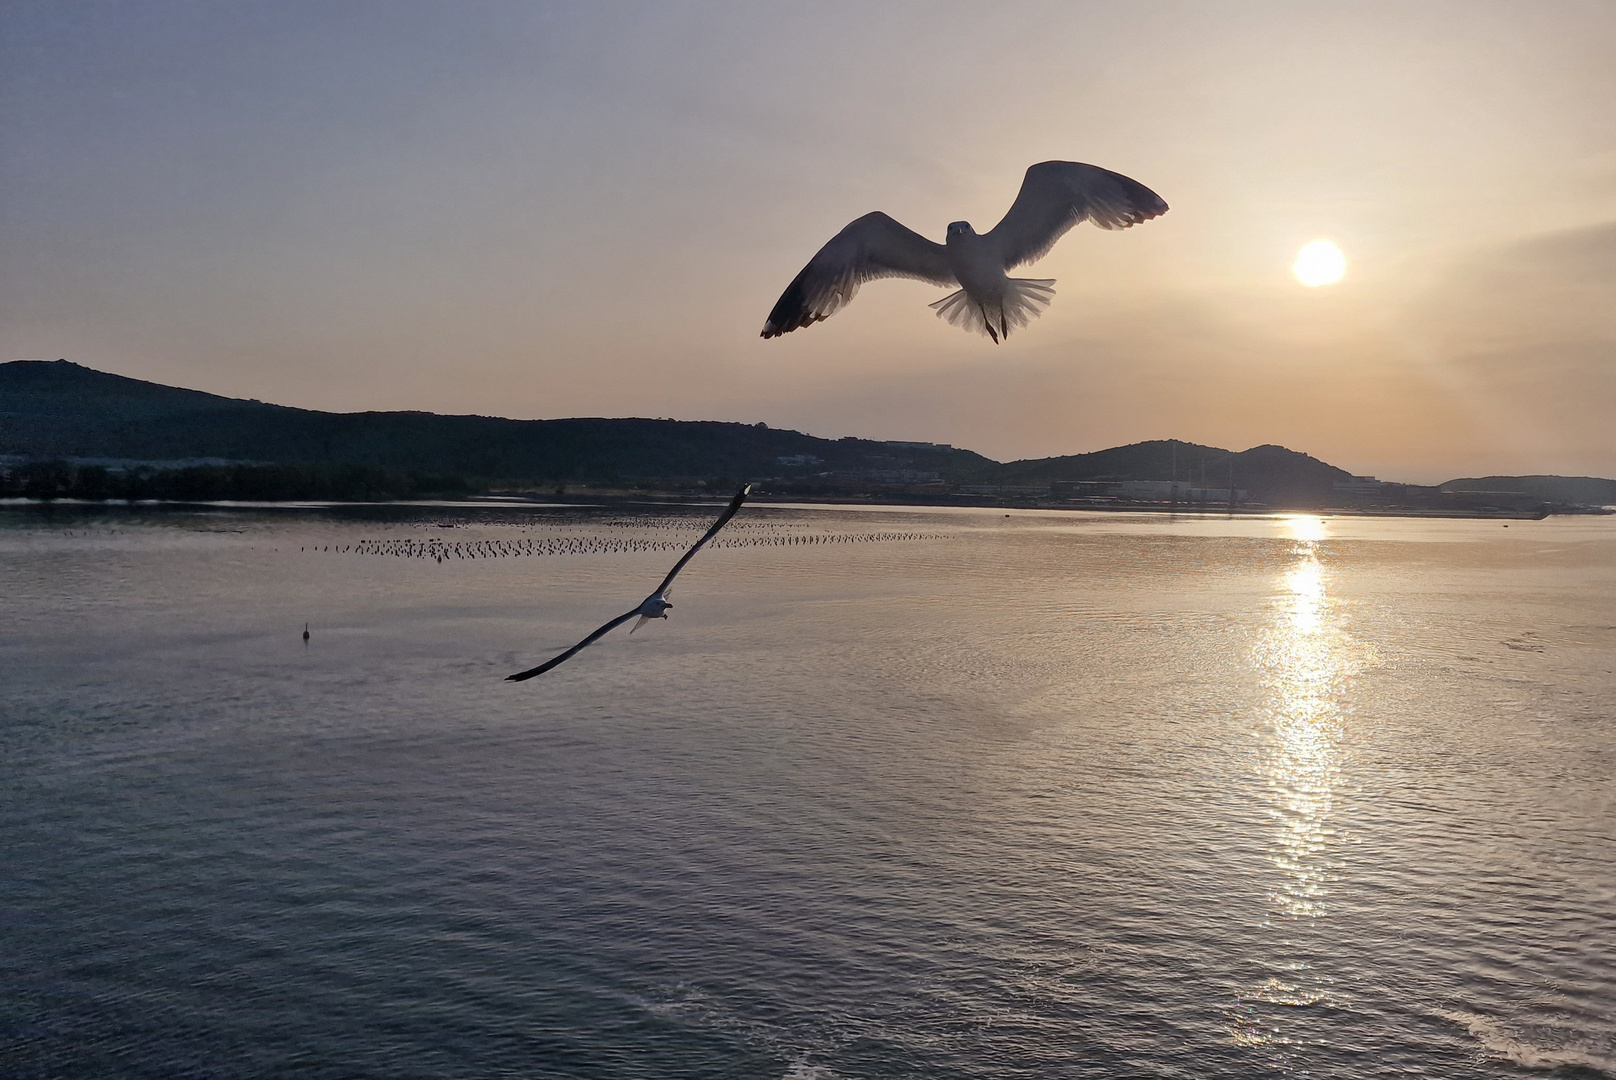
<point>244,483</point>
<point>73,432</point>
<point>63,410</point>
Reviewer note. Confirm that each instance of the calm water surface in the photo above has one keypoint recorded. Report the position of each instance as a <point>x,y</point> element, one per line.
<point>892,794</point>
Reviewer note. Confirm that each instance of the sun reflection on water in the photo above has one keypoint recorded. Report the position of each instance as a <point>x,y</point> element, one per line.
<point>1305,658</point>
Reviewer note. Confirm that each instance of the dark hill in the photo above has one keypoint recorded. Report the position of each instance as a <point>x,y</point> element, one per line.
<point>1272,474</point>
<point>62,410</point>
<point>1588,490</point>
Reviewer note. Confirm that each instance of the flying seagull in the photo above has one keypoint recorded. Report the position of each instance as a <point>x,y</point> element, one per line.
<point>1055,195</point>
<point>654,606</point>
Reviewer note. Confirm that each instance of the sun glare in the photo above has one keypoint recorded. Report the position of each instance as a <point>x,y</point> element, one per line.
<point>1319,263</point>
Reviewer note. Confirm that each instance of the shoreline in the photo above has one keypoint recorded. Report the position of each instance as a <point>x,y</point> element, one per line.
<point>621,498</point>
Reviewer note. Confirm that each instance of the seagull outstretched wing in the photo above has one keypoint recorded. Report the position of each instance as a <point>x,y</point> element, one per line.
<point>723,519</point>
<point>574,651</point>
<point>874,246</point>
<point>645,605</point>
<point>1056,195</point>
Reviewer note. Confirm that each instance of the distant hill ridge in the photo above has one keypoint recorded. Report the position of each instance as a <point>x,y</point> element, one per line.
<point>57,409</point>
<point>1591,490</point>
<point>61,409</point>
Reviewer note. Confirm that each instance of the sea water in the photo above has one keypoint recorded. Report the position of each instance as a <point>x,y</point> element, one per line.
<point>893,793</point>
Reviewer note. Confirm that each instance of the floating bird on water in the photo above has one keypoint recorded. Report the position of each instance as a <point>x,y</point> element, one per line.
<point>1055,195</point>
<point>654,606</point>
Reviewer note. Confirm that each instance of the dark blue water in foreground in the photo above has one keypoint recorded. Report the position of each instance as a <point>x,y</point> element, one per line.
<point>891,794</point>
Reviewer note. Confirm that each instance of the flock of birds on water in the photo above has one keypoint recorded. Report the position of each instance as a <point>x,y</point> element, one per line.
<point>440,550</point>
<point>1054,197</point>
<point>655,606</point>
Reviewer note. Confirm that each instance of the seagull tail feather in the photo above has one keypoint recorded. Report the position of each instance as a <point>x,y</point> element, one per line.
<point>1023,301</point>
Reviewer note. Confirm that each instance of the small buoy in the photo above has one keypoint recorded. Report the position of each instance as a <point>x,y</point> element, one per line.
<point>305,633</point>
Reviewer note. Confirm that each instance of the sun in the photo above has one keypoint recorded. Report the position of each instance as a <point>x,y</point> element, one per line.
<point>1319,263</point>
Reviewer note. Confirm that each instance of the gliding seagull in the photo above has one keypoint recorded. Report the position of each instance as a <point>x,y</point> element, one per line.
<point>654,606</point>
<point>1055,195</point>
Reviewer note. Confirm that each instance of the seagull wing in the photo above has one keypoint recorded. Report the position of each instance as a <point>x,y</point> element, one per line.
<point>1055,195</point>
<point>667,582</point>
<point>521,676</point>
<point>874,246</point>
<point>723,519</point>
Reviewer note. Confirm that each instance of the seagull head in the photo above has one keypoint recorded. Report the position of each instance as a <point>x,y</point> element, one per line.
<point>960,228</point>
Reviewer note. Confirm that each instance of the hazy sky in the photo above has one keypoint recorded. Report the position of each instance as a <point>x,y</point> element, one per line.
<point>538,210</point>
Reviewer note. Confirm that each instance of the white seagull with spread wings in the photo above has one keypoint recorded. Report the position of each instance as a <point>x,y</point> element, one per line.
<point>1055,195</point>
<point>654,606</point>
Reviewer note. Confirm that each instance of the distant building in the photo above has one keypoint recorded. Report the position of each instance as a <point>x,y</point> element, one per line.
<point>1174,491</point>
<point>1083,489</point>
<point>918,445</point>
<point>1360,485</point>
<point>888,476</point>
<point>1518,502</point>
<point>1017,491</point>
<point>800,460</point>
